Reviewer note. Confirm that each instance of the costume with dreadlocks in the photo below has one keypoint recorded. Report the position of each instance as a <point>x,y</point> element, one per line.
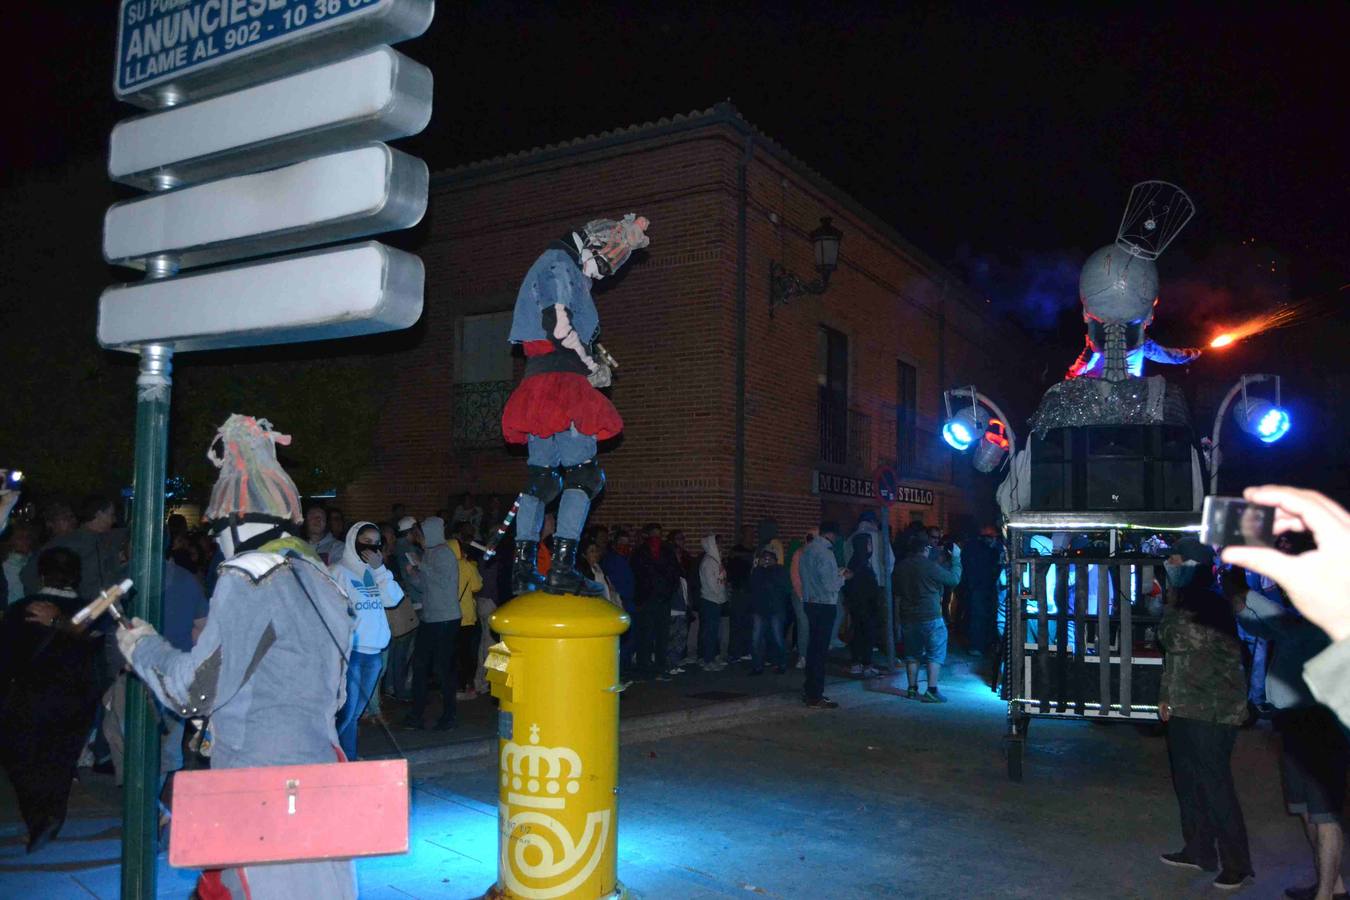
<point>269,667</point>
<point>556,409</point>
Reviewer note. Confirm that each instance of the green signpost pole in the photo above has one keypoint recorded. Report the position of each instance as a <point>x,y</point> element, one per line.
<point>140,805</point>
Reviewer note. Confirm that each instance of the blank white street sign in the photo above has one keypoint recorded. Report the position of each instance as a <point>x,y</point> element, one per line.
<point>330,198</point>
<point>340,292</point>
<point>376,96</point>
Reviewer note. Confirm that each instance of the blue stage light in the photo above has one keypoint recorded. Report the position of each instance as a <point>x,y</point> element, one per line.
<point>1261,418</point>
<point>962,430</point>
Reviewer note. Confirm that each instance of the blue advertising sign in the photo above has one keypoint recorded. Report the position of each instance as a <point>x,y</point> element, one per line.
<point>166,40</point>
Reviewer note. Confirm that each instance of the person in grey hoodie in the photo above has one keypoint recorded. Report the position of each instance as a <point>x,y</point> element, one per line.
<point>712,580</point>
<point>363,577</point>
<point>438,634</point>
<point>919,584</point>
<point>821,578</point>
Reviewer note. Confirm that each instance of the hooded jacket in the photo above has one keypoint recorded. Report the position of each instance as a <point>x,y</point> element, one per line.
<point>470,583</point>
<point>818,571</point>
<point>371,591</point>
<point>862,593</point>
<point>440,574</point>
<point>766,536</point>
<point>656,573</point>
<point>771,590</point>
<point>919,584</point>
<point>882,558</point>
<point>712,578</point>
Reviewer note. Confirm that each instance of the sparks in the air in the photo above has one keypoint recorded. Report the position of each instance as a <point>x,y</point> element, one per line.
<point>1280,318</point>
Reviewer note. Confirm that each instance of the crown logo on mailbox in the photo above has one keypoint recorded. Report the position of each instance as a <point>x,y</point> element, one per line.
<point>538,776</point>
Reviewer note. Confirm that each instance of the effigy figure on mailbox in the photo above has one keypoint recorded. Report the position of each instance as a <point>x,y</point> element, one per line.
<point>557,409</point>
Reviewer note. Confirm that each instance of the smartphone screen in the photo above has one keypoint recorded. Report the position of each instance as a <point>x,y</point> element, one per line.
<point>1233,522</point>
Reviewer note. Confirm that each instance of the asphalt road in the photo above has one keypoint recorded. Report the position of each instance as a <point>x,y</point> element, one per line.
<point>884,797</point>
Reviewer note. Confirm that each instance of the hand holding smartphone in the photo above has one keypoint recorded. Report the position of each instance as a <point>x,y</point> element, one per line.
<point>1235,522</point>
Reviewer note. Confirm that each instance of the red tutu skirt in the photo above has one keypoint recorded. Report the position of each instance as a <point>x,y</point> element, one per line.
<point>543,405</point>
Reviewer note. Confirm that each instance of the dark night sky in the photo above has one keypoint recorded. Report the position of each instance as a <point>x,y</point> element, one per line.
<point>1001,141</point>
<point>1004,132</point>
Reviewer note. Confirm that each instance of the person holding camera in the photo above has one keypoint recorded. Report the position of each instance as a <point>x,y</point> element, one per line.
<point>1317,581</point>
<point>919,585</point>
<point>1203,701</point>
<point>1313,753</point>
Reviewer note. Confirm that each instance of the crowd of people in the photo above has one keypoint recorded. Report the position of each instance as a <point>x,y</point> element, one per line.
<point>419,593</point>
<point>422,590</point>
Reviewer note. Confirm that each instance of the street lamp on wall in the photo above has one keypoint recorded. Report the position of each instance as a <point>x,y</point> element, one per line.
<point>784,286</point>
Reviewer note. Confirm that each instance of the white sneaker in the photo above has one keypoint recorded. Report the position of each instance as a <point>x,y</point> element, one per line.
<point>716,666</point>
<point>870,672</point>
<point>676,671</point>
<point>855,670</point>
<point>746,658</point>
<point>801,662</point>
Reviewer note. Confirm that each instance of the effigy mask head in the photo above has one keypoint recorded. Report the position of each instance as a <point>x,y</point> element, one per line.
<point>253,500</point>
<point>605,244</point>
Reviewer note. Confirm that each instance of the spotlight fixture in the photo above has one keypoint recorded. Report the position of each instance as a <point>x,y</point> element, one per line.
<point>1263,419</point>
<point>981,425</point>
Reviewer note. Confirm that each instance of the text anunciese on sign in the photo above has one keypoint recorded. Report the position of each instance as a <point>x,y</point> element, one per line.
<point>160,39</point>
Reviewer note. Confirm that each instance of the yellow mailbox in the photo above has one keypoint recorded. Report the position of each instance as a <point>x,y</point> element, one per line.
<point>556,675</point>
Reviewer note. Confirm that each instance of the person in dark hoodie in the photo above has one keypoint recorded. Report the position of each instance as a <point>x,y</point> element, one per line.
<point>862,599</point>
<point>771,600</point>
<point>656,572</point>
<point>50,674</point>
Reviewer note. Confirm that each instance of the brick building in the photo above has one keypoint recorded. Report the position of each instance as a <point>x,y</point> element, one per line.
<point>731,413</point>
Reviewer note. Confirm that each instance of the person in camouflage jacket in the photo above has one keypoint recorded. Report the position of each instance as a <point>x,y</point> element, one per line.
<point>1203,700</point>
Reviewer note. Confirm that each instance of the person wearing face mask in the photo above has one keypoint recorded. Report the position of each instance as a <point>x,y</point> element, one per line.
<point>557,410</point>
<point>1203,701</point>
<point>269,667</point>
<point>365,578</point>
